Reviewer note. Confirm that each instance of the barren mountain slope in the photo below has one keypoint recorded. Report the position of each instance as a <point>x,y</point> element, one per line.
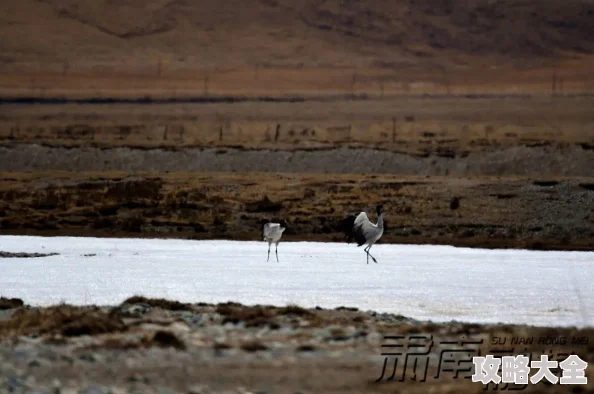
<point>229,33</point>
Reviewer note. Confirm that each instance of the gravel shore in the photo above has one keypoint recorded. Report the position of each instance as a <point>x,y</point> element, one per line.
<point>511,161</point>
<point>161,346</point>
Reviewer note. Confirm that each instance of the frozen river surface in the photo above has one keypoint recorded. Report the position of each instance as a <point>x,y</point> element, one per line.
<point>438,283</point>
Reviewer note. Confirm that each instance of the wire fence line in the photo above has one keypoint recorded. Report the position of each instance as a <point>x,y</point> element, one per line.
<point>261,80</point>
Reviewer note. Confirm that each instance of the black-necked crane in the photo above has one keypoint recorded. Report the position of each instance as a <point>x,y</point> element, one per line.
<point>363,231</point>
<point>272,232</point>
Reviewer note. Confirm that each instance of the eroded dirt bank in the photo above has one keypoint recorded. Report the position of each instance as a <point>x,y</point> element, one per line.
<point>161,346</point>
<point>511,212</point>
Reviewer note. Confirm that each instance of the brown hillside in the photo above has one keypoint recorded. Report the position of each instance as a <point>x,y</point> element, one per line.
<point>234,33</point>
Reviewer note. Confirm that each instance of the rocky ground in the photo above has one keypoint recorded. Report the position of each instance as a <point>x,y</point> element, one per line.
<point>149,345</point>
<point>509,161</point>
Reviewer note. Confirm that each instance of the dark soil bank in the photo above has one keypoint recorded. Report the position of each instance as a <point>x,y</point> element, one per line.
<point>543,213</point>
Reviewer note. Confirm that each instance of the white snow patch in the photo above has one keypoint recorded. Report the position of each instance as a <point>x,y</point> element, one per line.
<point>439,283</point>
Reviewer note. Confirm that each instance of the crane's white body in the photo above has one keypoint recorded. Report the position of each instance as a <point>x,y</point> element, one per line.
<point>272,233</point>
<point>369,231</point>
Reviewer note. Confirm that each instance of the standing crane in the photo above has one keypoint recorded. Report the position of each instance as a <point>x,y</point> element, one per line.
<point>363,231</point>
<point>272,232</point>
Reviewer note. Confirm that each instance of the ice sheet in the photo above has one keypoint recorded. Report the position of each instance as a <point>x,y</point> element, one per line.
<point>438,283</point>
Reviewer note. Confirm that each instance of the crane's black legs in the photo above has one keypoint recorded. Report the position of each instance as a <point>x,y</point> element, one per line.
<point>374,260</point>
<point>369,254</point>
<point>268,259</point>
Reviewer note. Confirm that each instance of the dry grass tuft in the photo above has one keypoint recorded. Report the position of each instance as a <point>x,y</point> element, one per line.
<point>294,310</point>
<point>163,339</point>
<point>338,334</point>
<point>347,308</point>
<point>305,348</point>
<point>167,339</point>
<point>263,205</point>
<point>10,303</point>
<point>251,316</point>
<point>253,346</point>
<point>221,346</point>
<point>65,320</point>
<point>119,344</point>
<point>230,304</point>
<point>158,303</point>
<point>455,203</point>
<point>224,309</point>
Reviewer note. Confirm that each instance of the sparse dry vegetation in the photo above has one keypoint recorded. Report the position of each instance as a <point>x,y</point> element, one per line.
<point>158,303</point>
<point>343,342</point>
<point>250,316</point>
<point>491,211</point>
<point>445,127</point>
<point>10,303</point>
<point>253,346</point>
<point>167,339</point>
<point>295,310</point>
<point>64,320</point>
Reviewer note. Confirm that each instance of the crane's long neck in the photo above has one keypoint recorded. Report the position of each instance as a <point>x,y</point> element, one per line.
<point>380,221</point>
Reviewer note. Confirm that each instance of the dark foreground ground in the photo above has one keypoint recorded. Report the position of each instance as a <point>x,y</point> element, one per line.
<point>148,345</point>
